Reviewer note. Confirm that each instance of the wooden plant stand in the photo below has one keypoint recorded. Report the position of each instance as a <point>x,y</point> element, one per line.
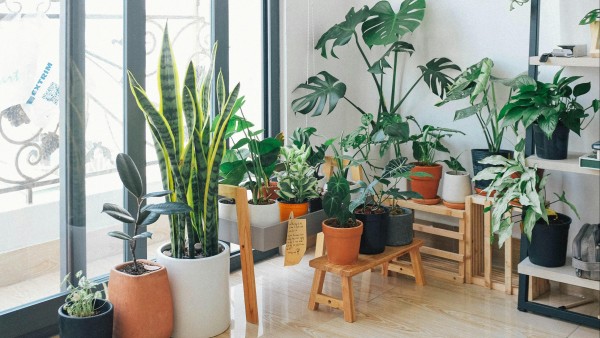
<point>346,272</point>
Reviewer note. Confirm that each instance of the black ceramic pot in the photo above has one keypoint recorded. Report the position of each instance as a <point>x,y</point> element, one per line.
<point>98,326</point>
<point>478,155</point>
<point>548,246</point>
<point>553,148</point>
<point>315,204</point>
<point>400,229</point>
<point>374,234</point>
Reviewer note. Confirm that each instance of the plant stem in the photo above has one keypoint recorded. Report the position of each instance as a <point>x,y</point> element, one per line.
<point>394,79</point>
<point>379,88</point>
<point>396,107</point>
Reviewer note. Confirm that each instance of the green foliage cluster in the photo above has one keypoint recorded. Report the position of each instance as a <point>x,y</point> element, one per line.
<point>296,182</point>
<point>80,302</point>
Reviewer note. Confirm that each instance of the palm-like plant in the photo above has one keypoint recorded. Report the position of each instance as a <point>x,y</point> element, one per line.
<point>189,145</point>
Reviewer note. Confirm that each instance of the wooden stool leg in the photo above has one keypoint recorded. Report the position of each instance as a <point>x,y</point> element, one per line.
<point>415,259</point>
<point>384,269</point>
<point>348,299</point>
<point>317,287</point>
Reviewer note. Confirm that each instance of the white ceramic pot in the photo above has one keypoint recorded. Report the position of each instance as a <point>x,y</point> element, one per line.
<point>264,215</point>
<point>227,211</point>
<point>456,186</point>
<point>200,289</point>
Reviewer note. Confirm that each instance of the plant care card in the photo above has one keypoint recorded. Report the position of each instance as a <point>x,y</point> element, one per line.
<point>295,246</point>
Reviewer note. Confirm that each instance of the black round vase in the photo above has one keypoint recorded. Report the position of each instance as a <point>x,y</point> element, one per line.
<point>315,204</point>
<point>374,234</point>
<point>400,229</point>
<point>98,326</point>
<point>553,148</point>
<point>548,246</point>
<point>478,155</point>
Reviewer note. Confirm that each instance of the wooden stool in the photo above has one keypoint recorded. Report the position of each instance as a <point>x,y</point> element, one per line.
<point>346,272</point>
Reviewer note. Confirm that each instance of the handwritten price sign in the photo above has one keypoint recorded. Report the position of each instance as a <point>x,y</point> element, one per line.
<point>296,241</point>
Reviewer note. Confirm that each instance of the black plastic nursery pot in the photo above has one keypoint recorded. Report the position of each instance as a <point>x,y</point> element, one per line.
<point>400,229</point>
<point>98,326</point>
<point>374,234</point>
<point>315,204</point>
<point>553,148</point>
<point>478,155</point>
<point>548,246</point>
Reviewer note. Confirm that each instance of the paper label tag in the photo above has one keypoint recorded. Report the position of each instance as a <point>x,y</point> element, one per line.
<point>296,241</point>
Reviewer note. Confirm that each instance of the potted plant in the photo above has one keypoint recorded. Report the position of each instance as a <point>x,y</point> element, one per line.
<point>85,313</point>
<point>520,186</point>
<point>553,111</point>
<point>341,229</point>
<point>592,18</point>
<point>457,184</point>
<point>381,29</point>
<point>190,146</point>
<point>130,281</point>
<point>297,183</point>
<point>425,145</point>
<point>250,162</point>
<point>479,85</point>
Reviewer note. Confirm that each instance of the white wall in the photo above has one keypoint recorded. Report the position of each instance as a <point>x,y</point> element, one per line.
<point>464,31</point>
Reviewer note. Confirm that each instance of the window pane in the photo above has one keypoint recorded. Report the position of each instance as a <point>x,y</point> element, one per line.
<point>29,115</point>
<point>189,31</point>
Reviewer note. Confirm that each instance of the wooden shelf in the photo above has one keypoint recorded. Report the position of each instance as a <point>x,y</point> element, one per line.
<point>584,61</point>
<point>563,274</point>
<point>570,165</point>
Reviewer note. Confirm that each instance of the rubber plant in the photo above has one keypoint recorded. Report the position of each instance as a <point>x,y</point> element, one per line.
<point>190,146</point>
<point>379,26</point>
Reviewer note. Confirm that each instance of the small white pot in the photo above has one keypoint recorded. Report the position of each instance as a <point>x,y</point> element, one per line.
<point>227,211</point>
<point>200,289</point>
<point>456,186</point>
<point>264,215</point>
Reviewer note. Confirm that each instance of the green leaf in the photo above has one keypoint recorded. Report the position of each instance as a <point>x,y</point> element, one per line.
<point>581,89</point>
<point>481,83</point>
<point>342,32</point>
<point>434,77</point>
<point>591,16</point>
<point>319,91</point>
<point>548,124</point>
<point>147,218</point>
<point>385,26</point>
<point>563,198</point>
<point>144,234</point>
<point>396,167</point>
<point>168,208</point>
<point>405,195</point>
<point>469,111</point>
<point>120,235</point>
<point>157,194</point>
<point>454,164</point>
<point>117,213</point>
<point>129,175</point>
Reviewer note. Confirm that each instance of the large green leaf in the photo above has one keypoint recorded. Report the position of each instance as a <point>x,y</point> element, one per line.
<point>168,208</point>
<point>168,88</point>
<point>385,26</point>
<point>548,124</point>
<point>342,32</point>
<point>379,66</point>
<point>120,235</point>
<point>117,213</point>
<point>129,174</point>
<point>481,83</point>
<point>396,167</point>
<point>319,91</point>
<point>434,76</point>
<point>591,16</point>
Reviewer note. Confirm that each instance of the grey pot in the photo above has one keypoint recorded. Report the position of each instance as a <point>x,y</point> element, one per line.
<point>400,229</point>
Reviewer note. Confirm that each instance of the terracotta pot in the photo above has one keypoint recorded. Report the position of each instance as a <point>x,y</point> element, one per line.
<point>342,244</point>
<point>285,209</point>
<point>426,186</point>
<point>143,303</point>
<point>271,191</point>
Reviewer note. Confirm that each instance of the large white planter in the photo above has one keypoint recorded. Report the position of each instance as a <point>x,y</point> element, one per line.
<point>456,186</point>
<point>264,215</point>
<point>227,211</point>
<point>200,289</point>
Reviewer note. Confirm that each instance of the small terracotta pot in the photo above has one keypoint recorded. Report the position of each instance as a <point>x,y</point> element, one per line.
<point>426,186</point>
<point>271,191</point>
<point>342,244</point>
<point>143,304</point>
<point>285,209</point>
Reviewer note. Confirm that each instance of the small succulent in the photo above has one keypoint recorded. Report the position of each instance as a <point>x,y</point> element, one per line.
<point>81,298</point>
<point>146,215</point>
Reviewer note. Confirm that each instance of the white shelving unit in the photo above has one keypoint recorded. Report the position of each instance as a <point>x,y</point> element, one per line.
<point>570,165</point>
<point>563,274</point>
<point>584,61</point>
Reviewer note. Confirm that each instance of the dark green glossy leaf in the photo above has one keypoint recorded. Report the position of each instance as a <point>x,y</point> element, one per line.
<point>148,218</point>
<point>548,124</point>
<point>385,26</point>
<point>144,234</point>
<point>168,208</point>
<point>434,76</point>
<point>396,167</point>
<point>157,194</point>
<point>581,89</point>
<point>321,88</point>
<point>117,213</point>
<point>591,16</point>
<point>120,235</point>
<point>129,175</point>
<point>342,32</point>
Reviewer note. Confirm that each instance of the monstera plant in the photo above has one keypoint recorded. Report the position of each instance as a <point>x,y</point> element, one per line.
<point>379,28</point>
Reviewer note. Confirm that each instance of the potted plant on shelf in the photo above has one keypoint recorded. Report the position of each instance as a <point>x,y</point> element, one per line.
<point>457,184</point>
<point>190,146</point>
<point>553,111</point>
<point>479,85</point>
<point>520,186</point>
<point>341,229</point>
<point>592,18</point>
<point>130,281</point>
<point>425,145</point>
<point>250,162</point>
<point>85,313</point>
<point>297,183</point>
<point>381,29</point>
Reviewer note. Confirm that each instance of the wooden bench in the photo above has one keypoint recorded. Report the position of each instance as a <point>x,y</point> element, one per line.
<point>346,272</point>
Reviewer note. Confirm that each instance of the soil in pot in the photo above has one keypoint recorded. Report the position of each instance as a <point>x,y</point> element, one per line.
<point>553,148</point>
<point>478,155</point>
<point>400,227</point>
<point>342,243</point>
<point>375,222</point>
<point>548,246</point>
<point>97,326</point>
<point>426,186</point>
<point>286,209</point>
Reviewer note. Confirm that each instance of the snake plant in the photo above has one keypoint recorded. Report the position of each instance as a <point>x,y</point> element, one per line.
<point>189,145</point>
